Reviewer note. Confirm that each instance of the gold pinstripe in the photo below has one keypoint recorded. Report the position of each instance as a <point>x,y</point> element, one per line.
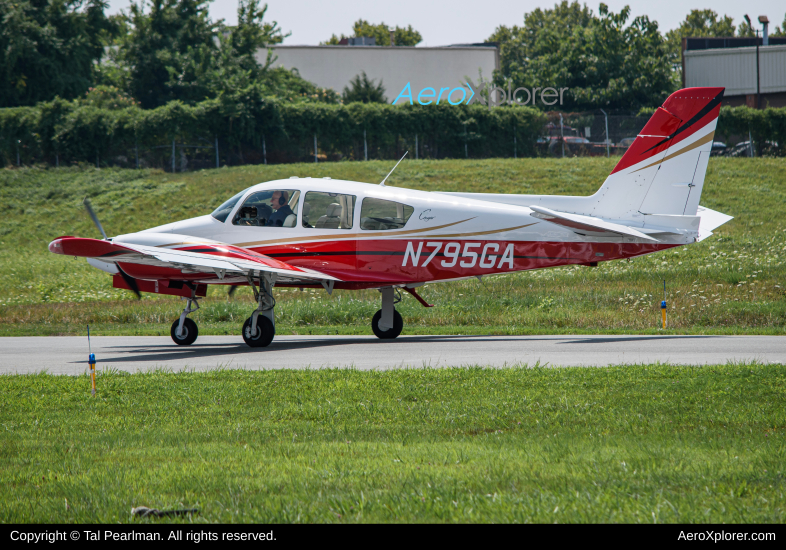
<point>691,147</point>
<point>479,232</point>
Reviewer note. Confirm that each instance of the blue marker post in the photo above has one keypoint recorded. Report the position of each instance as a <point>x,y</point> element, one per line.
<point>91,360</point>
<point>663,306</point>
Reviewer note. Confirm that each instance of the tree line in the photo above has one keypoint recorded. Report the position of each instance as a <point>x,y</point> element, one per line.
<point>159,51</point>
<point>81,86</point>
<point>156,52</point>
<point>107,127</point>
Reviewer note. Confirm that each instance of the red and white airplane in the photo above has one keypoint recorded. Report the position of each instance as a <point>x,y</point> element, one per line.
<point>309,232</point>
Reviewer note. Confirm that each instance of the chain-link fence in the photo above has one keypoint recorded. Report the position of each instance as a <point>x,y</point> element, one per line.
<point>589,134</point>
<point>592,134</point>
<point>474,133</point>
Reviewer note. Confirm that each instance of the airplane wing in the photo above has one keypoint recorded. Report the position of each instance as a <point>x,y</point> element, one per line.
<point>580,224</point>
<point>218,258</point>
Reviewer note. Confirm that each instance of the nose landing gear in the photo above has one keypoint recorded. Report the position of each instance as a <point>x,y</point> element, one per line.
<point>184,331</point>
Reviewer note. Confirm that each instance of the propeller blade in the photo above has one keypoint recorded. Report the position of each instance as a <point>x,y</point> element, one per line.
<point>232,290</point>
<point>130,281</point>
<point>86,202</point>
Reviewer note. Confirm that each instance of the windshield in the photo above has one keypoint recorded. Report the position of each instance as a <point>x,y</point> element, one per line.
<point>223,211</point>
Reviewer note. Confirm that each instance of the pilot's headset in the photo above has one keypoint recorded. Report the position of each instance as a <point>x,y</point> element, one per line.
<point>283,198</point>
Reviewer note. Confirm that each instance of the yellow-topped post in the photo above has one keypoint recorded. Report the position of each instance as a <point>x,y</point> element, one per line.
<point>92,361</point>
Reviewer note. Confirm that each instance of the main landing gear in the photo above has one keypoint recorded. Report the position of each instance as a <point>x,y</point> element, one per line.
<point>184,331</point>
<point>260,328</point>
<point>387,322</point>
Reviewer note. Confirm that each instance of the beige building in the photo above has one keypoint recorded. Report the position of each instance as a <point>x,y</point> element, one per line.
<point>334,66</point>
<point>735,69</point>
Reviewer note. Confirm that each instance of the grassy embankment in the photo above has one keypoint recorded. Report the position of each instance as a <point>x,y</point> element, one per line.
<point>621,444</point>
<point>731,283</point>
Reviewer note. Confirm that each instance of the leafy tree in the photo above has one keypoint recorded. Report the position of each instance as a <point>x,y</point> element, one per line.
<point>746,28</point>
<point>364,90</point>
<point>698,23</point>
<point>236,65</point>
<point>49,48</point>
<point>287,84</point>
<point>404,36</point>
<point>167,49</point>
<point>604,61</point>
<point>107,97</point>
<point>518,46</point>
<point>173,51</point>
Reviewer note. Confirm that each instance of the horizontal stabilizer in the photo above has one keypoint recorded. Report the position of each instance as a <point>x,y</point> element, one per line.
<point>581,224</point>
<point>710,219</point>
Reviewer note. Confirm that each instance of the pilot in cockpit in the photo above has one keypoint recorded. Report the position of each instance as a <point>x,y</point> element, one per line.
<point>279,201</point>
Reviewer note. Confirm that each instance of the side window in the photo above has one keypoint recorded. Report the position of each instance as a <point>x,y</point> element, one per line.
<point>328,210</point>
<point>272,208</point>
<point>379,214</point>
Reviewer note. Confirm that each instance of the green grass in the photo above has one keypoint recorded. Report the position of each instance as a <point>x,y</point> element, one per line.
<point>731,283</point>
<point>646,443</point>
<point>652,443</point>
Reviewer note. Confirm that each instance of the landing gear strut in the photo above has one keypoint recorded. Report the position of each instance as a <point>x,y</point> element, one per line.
<point>260,328</point>
<point>184,331</point>
<point>387,322</point>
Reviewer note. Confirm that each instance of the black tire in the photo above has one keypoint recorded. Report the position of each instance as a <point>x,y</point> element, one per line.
<point>398,326</point>
<point>190,332</point>
<point>265,332</point>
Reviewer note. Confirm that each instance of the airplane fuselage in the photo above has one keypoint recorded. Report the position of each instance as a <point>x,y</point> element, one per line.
<point>444,238</point>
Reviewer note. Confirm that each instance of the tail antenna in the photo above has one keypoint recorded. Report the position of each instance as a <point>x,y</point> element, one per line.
<point>399,162</point>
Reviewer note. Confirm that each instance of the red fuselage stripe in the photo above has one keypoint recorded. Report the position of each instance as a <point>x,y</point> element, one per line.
<point>378,261</point>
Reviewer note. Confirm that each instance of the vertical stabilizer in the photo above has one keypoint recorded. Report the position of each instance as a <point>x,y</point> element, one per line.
<point>660,176</point>
<point>663,170</point>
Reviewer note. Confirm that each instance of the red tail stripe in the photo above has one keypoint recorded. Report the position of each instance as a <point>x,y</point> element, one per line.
<point>691,109</point>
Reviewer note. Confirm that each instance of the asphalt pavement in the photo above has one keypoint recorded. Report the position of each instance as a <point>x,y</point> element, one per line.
<point>68,355</point>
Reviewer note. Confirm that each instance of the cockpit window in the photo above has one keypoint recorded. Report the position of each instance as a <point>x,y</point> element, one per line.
<point>224,210</point>
<point>379,215</point>
<point>328,210</point>
<point>271,208</point>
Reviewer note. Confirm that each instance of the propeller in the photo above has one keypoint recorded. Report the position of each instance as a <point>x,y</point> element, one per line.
<point>89,208</point>
<point>130,281</point>
<point>232,290</point>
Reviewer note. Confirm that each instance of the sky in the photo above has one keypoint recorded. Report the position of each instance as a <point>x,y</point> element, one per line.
<point>443,22</point>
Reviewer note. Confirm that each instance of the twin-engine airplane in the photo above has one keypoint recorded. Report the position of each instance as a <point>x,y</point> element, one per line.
<point>307,232</point>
